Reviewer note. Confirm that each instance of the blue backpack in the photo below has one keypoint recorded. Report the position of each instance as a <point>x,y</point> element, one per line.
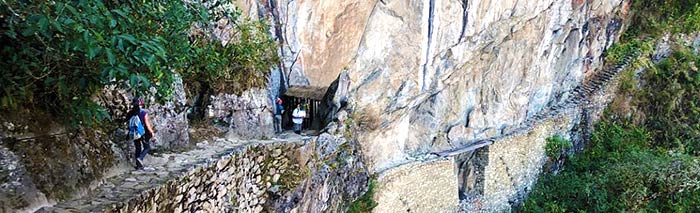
<point>136,129</point>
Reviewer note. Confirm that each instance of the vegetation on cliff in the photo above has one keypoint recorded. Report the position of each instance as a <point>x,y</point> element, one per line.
<point>653,18</point>
<point>622,170</point>
<point>644,155</point>
<point>650,19</point>
<point>366,202</point>
<point>556,146</point>
<point>57,54</point>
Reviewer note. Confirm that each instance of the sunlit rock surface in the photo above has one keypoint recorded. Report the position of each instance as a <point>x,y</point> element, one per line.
<point>441,74</point>
<point>446,79</point>
<point>248,115</point>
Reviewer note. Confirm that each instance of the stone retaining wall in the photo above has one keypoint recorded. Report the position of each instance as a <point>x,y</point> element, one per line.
<point>506,170</point>
<point>418,187</point>
<point>245,180</point>
<point>297,174</point>
<point>515,163</point>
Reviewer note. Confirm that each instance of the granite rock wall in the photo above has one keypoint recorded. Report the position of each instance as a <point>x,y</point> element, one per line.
<point>248,115</point>
<point>39,168</point>
<point>169,119</point>
<point>443,74</point>
<point>440,74</point>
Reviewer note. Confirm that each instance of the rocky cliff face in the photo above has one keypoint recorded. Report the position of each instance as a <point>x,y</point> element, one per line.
<point>439,74</point>
<point>248,115</point>
<point>169,119</point>
<point>479,68</point>
<point>433,75</point>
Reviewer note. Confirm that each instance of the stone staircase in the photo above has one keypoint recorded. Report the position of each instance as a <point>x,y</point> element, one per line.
<point>579,95</point>
<point>203,179</point>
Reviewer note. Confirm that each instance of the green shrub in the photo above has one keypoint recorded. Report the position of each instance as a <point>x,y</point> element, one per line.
<point>58,54</point>
<point>556,146</point>
<point>648,166</point>
<point>622,171</point>
<point>652,18</point>
<point>628,82</point>
<point>366,202</point>
<point>670,101</point>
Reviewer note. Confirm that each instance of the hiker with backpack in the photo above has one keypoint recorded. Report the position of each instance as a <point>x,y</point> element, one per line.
<point>140,130</point>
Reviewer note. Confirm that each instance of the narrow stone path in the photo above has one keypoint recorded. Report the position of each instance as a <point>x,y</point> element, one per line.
<point>579,95</point>
<point>160,169</point>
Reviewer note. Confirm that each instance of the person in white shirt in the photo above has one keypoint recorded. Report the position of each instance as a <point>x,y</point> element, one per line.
<point>298,116</point>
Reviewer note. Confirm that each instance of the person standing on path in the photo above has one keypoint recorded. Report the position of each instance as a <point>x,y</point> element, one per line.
<point>298,116</point>
<point>144,141</point>
<point>279,110</point>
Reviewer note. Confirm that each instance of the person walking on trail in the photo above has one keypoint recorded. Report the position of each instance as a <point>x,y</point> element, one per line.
<point>279,110</point>
<point>298,116</point>
<point>140,130</point>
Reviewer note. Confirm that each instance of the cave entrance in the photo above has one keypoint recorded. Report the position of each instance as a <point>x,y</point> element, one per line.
<point>308,96</point>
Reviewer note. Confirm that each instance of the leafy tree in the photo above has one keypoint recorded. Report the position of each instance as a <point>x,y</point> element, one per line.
<point>58,54</point>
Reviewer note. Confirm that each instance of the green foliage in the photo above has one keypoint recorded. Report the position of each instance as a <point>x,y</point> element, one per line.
<point>349,124</point>
<point>628,81</point>
<point>652,166</point>
<point>635,48</point>
<point>622,171</point>
<point>617,52</point>
<point>235,66</point>
<point>669,98</point>
<point>670,102</point>
<point>58,54</point>
<point>652,18</point>
<point>365,203</point>
<point>556,146</point>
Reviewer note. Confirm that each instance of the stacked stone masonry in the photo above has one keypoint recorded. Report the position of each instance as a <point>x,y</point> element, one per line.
<point>296,174</point>
<point>419,187</point>
<point>515,163</point>
<point>220,176</point>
